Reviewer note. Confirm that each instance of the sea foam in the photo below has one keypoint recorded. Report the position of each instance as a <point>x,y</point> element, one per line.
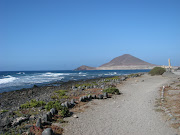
<point>7,79</point>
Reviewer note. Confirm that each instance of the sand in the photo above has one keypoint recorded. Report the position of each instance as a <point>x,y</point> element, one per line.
<point>132,113</point>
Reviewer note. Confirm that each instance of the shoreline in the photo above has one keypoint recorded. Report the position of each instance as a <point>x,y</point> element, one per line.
<point>10,102</point>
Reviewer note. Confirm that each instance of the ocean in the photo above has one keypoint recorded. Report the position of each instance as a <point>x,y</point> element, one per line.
<point>16,80</point>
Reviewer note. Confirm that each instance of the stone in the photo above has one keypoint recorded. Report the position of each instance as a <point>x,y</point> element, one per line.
<point>72,102</point>
<point>49,116</point>
<point>75,116</point>
<point>94,96</point>
<point>105,94</point>
<point>80,99</point>
<point>66,104</point>
<point>48,131</point>
<point>100,96</point>
<point>19,120</point>
<point>63,104</point>
<point>89,97</point>
<point>53,111</point>
<point>38,123</point>
<point>45,118</point>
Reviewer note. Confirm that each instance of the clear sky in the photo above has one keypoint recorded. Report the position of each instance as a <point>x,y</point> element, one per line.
<point>65,34</point>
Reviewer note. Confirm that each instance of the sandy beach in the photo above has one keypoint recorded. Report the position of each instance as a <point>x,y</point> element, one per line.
<point>132,113</point>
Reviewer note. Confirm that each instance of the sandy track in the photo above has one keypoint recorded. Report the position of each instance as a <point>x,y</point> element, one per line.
<point>129,114</point>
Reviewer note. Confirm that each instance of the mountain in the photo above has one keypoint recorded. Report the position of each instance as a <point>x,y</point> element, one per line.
<point>84,67</point>
<point>125,61</point>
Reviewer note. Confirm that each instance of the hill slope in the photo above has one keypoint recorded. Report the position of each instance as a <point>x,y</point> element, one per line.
<point>125,61</point>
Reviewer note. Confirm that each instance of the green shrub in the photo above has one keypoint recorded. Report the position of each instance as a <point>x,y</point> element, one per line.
<point>32,103</point>
<point>64,112</point>
<point>112,90</point>
<point>60,94</point>
<point>3,111</point>
<point>157,71</point>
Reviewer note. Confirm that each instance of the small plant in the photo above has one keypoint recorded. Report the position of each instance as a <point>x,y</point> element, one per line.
<point>32,103</point>
<point>3,111</point>
<point>53,104</point>
<point>112,90</point>
<point>157,71</point>
<point>64,112</point>
<point>60,94</point>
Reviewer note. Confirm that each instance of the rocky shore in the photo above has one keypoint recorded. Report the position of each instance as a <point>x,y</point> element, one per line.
<point>18,116</point>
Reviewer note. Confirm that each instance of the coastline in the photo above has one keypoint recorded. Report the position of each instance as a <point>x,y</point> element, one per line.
<point>10,102</point>
<point>13,100</point>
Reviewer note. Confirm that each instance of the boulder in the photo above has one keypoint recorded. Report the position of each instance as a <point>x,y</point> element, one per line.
<point>89,97</point>
<point>53,111</point>
<point>45,118</point>
<point>49,116</point>
<point>66,104</point>
<point>48,131</point>
<point>72,102</point>
<point>80,99</point>
<point>94,96</point>
<point>38,123</point>
<point>100,96</point>
<point>63,104</point>
<point>105,94</point>
<point>19,120</point>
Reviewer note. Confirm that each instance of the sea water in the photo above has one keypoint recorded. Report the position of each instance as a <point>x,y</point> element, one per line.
<point>15,80</point>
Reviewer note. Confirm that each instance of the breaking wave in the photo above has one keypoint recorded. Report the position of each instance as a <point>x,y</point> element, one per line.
<point>7,79</point>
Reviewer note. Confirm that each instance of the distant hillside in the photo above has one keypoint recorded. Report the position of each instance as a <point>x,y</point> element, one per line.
<point>125,61</point>
<point>84,67</point>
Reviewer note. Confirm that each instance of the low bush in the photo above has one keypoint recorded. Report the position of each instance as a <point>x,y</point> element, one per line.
<point>63,111</point>
<point>32,103</point>
<point>157,71</point>
<point>53,104</point>
<point>3,111</point>
<point>60,94</point>
<point>112,90</point>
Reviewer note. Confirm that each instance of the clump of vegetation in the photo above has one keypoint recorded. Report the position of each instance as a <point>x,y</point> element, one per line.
<point>53,104</point>
<point>3,111</point>
<point>133,75</point>
<point>157,71</point>
<point>60,94</point>
<point>32,103</point>
<point>112,90</point>
<point>64,111</point>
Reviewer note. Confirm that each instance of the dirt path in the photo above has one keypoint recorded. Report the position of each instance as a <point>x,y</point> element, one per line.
<point>129,114</point>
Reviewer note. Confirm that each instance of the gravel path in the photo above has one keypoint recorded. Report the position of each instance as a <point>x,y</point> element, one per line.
<point>129,114</point>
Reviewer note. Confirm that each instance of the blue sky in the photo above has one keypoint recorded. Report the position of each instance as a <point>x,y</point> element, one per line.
<point>65,34</point>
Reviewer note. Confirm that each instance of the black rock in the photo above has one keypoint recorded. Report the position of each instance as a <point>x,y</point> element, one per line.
<point>48,131</point>
<point>53,111</point>
<point>49,116</point>
<point>100,96</point>
<point>38,123</point>
<point>105,94</point>
<point>81,99</point>
<point>94,96</point>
